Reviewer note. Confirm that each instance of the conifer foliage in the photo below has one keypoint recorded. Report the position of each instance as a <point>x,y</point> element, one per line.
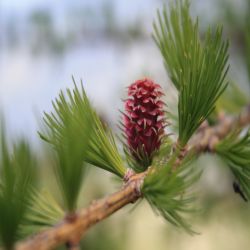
<point>197,68</point>
<point>162,168</point>
<point>18,168</point>
<point>235,151</point>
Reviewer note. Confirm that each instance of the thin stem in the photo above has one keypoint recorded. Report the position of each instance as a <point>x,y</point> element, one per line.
<point>203,141</point>
<point>97,211</point>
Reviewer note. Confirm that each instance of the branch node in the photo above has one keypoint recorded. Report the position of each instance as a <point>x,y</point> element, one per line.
<point>129,173</point>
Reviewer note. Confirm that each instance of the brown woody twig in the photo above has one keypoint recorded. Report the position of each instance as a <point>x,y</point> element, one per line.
<point>73,230</point>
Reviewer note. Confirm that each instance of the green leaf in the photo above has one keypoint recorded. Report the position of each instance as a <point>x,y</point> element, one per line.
<point>103,151</point>
<point>69,130</point>
<point>197,69</point>
<point>235,150</point>
<point>168,191</point>
<point>144,161</point>
<point>140,164</point>
<point>43,213</point>
<point>164,153</point>
<point>17,167</point>
<point>79,137</point>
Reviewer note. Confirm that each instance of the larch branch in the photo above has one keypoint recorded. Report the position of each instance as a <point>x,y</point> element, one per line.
<point>70,229</point>
<point>78,225</point>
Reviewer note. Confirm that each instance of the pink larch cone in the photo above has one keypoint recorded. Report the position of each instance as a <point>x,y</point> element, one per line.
<point>144,120</point>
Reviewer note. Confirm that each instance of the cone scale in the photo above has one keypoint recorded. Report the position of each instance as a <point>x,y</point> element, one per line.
<point>143,120</point>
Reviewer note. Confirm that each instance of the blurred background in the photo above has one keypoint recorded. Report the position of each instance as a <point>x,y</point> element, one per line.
<point>108,45</point>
